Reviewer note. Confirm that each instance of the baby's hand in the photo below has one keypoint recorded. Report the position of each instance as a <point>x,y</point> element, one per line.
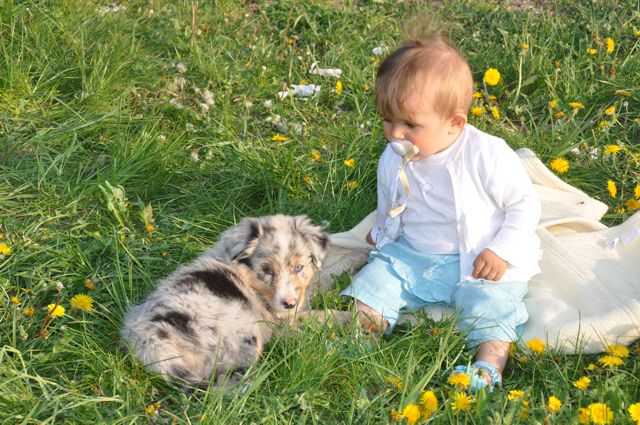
<point>489,266</point>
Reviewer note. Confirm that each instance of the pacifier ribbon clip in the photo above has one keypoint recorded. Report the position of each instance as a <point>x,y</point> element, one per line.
<point>406,150</point>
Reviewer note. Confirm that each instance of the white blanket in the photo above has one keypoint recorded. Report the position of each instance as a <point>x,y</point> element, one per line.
<point>588,294</point>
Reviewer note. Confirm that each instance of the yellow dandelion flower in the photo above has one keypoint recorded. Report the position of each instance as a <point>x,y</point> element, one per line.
<point>279,138</point>
<point>493,97</point>
<point>558,115</point>
<point>619,210</point>
<point>634,412</point>
<point>395,382</point>
<point>592,51</point>
<point>524,413</point>
<point>462,402</point>
<point>350,162</point>
<point>553,103</point>
<point>89,285</point>
<point>618,350</point>
<point>636,33</point>
<point>591,367</point>
<point>338,87</point>
<point>149,228</point>
<point>29,311</point>
<point>636,191</point>
<point>56,310</point>
<point>610,110</point>
<point>492,76</point>
<point>576,105</point>
<point>5,249</point>
<point>524,46</point>
<point>602,125</point>
<point>394,415</point>
<point>459,380</point>
<point>477,111</point>
<point>153,408</point>
<point>611,45</point>
<point>352,184</point>
<point>559,165</point>
<point>308,180</point>
<point>600,413</point>
<point>610,149</point>
<point>584,416</point>
<point>477,94</point>
<point>122,238</point>
<point>610,361</point>
<point>632,205</point>
<point>429,402</point>
<point>622,93</point>
<point>495,112</point>
<point>553,404</point>
<point>411,413</point>
<point>315,156</point>
<point>611,188</point>
<point>15,300</point>
<point>515,395</point>
<point>582,383</point>
<point>535,345</point>
<point>82,302</point>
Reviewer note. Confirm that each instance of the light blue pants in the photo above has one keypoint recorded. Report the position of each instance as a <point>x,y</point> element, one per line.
<point>398,277</point>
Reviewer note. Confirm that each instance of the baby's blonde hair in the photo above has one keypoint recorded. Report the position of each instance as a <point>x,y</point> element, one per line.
<point>429,62</point>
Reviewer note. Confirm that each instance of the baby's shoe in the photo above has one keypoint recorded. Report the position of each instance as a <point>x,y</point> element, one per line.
<point>476,375</point>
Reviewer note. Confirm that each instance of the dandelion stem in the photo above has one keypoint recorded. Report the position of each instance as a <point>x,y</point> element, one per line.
<point>48,316</point>
<point>515,98</point>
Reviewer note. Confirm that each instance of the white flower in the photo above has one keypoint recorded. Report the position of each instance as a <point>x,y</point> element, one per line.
<point>194,155</point>
<point>268,104</point>
<point>377,51</point>
<point>181,68</point>
<point>208,97</point>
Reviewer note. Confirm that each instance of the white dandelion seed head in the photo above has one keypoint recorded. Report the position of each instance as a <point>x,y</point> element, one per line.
<point>208,97</point>
<point>181,68</point>
<point>204,107</point>
<point>59,286</point>
<point>377,51</point>
<point>268,104</point>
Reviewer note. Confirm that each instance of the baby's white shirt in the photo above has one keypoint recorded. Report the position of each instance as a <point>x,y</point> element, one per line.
<point>428,222</point>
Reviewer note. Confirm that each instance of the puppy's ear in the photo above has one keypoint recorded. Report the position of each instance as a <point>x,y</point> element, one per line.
<point>317,238</point>
<point>237,242</point>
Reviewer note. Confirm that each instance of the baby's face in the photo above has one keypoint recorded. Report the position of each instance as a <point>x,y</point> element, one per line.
<point>427,131</point>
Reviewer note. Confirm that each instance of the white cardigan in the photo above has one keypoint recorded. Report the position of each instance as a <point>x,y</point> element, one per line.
<point>496,205</point>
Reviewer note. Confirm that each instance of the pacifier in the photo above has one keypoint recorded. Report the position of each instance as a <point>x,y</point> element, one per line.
<point>404,148</point>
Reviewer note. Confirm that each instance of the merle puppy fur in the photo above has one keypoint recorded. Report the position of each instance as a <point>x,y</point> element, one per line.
<point>210,319</point>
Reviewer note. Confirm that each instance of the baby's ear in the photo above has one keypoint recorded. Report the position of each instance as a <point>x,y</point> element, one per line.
<point>456,122</point>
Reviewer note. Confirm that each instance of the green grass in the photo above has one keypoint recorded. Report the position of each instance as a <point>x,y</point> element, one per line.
<point>92,107</point>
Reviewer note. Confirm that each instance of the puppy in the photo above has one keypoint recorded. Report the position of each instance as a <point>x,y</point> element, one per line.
<point>210,319</point>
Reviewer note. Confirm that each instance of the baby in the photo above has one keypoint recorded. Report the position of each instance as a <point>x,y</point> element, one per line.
<point>456,214</point>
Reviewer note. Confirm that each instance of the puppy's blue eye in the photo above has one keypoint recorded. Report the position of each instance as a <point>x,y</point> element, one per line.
<point>298,268</point>
<point>267,270</point>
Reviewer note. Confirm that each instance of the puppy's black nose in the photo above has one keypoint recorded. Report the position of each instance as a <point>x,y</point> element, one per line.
<point>289,304</point>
